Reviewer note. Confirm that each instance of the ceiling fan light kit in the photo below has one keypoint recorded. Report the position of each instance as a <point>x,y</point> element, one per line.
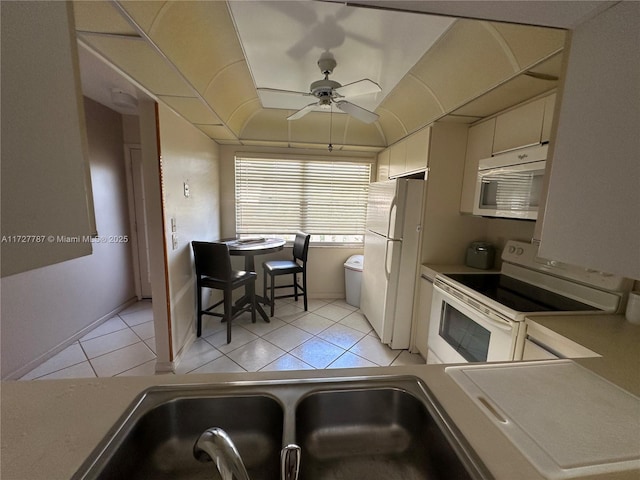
<point>329,92</point>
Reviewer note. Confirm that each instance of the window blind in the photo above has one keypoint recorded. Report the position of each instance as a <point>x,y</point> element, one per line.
<point>281,196</point>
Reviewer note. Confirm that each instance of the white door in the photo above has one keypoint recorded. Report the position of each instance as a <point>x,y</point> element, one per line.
<point>379,283</point>
<point>138,222</point>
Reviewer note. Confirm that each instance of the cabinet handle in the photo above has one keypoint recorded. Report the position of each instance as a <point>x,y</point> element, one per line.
<point>522,156</point>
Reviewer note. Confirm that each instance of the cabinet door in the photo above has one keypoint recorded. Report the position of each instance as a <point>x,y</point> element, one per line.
<point>397,159</point>
<point>592,217</point>
<point>547,121</point>
<point>479,146</point>
<point>424,311</point>
<point>383,166</point>
<point>417,154</point>
<point>519,127</point>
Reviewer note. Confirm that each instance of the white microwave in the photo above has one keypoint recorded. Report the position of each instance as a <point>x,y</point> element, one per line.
<point>509,184</point>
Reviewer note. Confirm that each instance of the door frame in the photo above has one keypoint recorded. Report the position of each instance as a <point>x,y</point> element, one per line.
<point>140,266</point>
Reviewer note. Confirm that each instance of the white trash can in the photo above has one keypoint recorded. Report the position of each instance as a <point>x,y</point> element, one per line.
<point>353,279</point>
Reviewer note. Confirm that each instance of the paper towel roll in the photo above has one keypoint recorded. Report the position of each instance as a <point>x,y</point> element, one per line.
<point>632,313</point>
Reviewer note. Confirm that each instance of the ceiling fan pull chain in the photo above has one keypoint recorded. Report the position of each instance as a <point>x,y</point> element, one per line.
<point>330,126</point>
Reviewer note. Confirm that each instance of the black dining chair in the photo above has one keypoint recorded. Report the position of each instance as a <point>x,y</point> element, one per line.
<point>273,268</point>
<point>213,270</point>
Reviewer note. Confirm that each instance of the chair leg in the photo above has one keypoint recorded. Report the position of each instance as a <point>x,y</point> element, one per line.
<point>304,288</point>
<point>253,301</point>
<point>264,283</point>
<point>273,295</point>
<point>228,311</point>
<point>199,311</point>
<point>295,286</point>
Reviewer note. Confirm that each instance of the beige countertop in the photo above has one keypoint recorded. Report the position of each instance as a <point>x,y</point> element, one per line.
<point>49,427</point>
<point>611,336</point>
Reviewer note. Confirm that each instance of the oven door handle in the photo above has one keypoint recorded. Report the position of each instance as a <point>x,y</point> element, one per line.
<point>499,323</point>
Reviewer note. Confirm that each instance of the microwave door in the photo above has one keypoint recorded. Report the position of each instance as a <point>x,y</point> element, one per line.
<point>512,192</point>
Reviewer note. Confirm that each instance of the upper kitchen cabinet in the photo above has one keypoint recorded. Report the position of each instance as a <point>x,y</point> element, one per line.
<point>547,119</point>
<point>479,145</point>
<point>383,165</point>
<point>418,151</point>
<point>592,215</point>
<point>397,159</point>
<point>410,155</point>
<point>519,127</point>
<point>47,203</point>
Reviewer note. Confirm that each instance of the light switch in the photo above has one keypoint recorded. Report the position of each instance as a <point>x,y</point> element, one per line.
<point>174,241</point>
<point>173,224</point>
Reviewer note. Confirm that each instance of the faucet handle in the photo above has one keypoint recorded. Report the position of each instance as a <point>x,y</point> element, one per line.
<point>290,462</point>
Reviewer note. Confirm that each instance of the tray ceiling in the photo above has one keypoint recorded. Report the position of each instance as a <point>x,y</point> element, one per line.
<point>205,60</point>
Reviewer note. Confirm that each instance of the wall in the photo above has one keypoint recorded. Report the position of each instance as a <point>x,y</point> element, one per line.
<point>326,264</point>
<point>45,309</point>
<point>188,156</point>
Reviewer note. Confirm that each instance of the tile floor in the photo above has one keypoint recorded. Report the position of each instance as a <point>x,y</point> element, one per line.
<point>331,334</point>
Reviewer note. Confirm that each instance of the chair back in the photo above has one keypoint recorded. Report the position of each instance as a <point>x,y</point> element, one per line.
<point>212,259</point>
<point>301,246</point>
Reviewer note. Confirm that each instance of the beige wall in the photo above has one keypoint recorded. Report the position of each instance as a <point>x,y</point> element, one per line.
<point>188,156</point>
<point>46,309</point>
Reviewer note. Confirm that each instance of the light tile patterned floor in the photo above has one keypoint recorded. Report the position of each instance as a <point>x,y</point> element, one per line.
<point>331,334</point>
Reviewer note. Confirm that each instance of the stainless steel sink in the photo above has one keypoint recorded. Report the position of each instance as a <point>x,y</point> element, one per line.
<point>384,433</point>
<point>375,428</point>
<point>156,440</point>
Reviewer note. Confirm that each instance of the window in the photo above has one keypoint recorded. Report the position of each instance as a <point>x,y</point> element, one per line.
<point>278,197</point>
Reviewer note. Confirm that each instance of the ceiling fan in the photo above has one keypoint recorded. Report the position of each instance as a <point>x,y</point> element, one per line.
<point>329,92</point>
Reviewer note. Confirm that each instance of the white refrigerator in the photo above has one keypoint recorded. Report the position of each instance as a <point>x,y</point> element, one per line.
<point>391,251</point>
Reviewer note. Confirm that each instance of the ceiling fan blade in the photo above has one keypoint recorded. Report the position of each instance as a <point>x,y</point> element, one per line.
<point>361,87</point>
<point>302,112</point>
<point>355,111</point>
<point>287,92</point>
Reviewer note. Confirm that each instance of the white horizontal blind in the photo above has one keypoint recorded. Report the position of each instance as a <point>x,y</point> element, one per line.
<point>280,197</point>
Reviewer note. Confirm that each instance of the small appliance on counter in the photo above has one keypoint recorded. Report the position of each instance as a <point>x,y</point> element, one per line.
<point>480,255</point>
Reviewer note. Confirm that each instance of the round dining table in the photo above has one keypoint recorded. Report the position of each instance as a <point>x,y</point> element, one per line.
<point>249,248</point>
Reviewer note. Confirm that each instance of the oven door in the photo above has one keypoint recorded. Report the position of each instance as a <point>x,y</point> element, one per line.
<point>458,333</point>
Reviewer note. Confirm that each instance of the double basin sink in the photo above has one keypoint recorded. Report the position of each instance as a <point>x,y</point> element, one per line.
<point>349,428</point>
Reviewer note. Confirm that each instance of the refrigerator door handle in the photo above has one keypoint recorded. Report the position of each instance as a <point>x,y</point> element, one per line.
<point>387,272</point>
<point>393,210</point>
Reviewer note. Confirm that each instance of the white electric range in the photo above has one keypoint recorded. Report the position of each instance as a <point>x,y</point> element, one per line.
<point>479,317</point>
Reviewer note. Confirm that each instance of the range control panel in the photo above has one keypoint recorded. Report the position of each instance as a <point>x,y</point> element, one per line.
<point>526,255</point>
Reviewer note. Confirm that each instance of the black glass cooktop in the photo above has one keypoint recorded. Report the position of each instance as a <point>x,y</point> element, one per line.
<point>517,295</point>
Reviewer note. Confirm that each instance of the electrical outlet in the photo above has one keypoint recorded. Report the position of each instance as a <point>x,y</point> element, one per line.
<point>187,193</point>
<point>174,241</point>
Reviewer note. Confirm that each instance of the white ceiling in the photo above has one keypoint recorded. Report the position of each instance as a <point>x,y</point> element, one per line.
<point>99,79</point>
<point>206,59</point>
<point>546,13</point>
<point>283,40</point>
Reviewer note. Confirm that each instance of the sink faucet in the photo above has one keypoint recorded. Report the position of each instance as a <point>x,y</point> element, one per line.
<point>290,462</point>
<point>214,444</point>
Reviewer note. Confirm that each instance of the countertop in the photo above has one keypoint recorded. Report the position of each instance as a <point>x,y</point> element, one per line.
<point>50,426</point>
<point>611,336</point>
